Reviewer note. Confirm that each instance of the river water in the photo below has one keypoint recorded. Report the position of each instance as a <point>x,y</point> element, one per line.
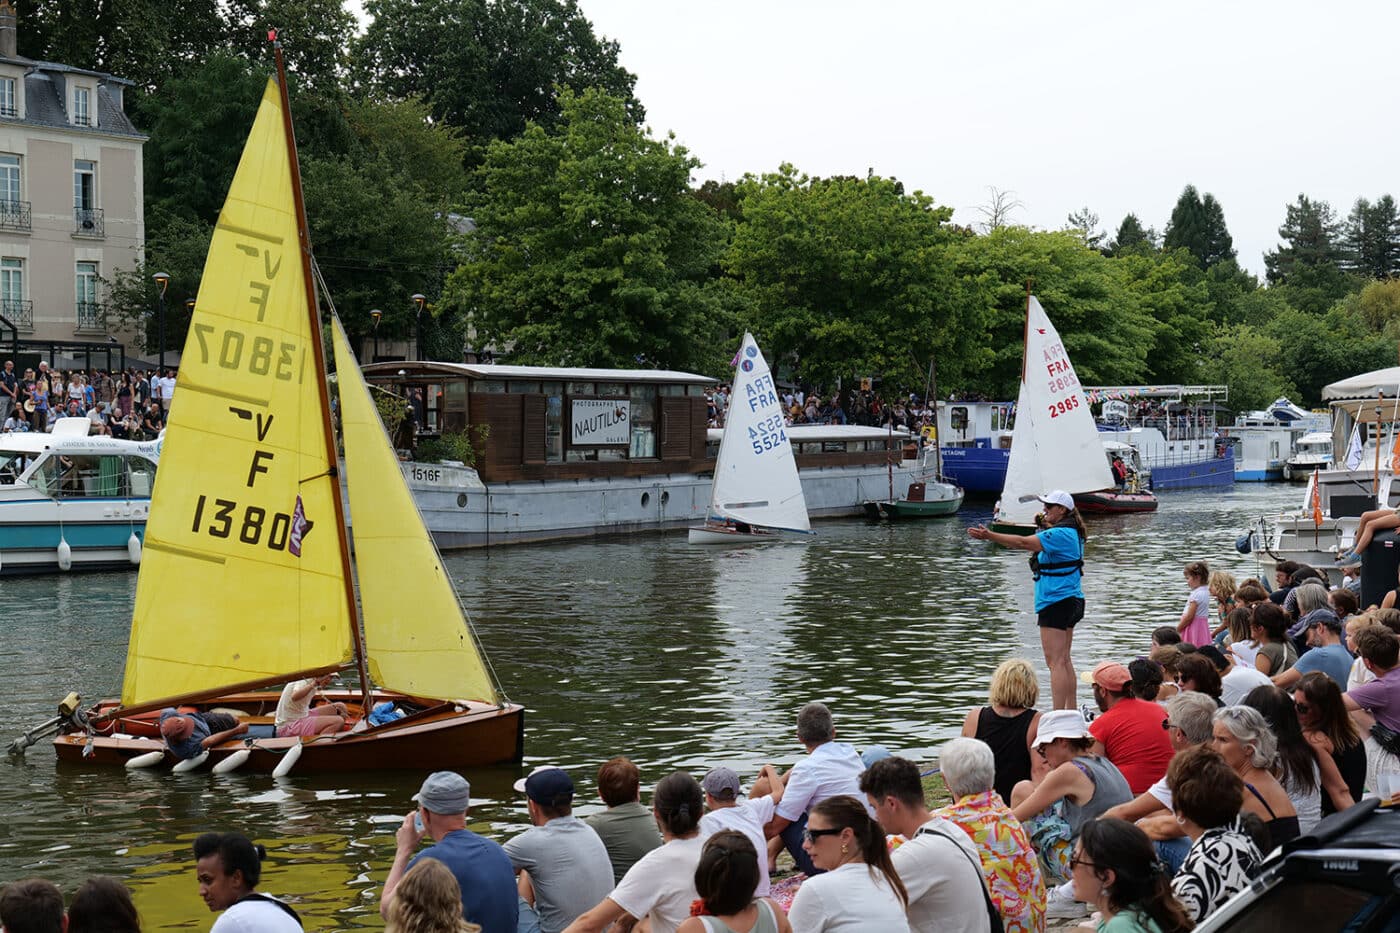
<point>677,656</point>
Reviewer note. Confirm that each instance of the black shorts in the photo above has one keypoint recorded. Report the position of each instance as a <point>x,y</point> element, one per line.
<point>1063,615</point>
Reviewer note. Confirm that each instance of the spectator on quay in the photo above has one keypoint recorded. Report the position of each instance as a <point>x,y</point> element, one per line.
<point>1197,672</point>
<point>562,864</point>
<point>1165,635</point>
<point>627,828</point>
<point>1235,681</point>
<point>1375,706</point>
<point>661,886</point>
<point>858,887</point>
<point>1129,730</point>
<point>1386,618</point>
<point>1003,847</point>
<point>1329,730</point>
<point>152,422</point>
<point>1116,870</point>
<point>428,900</point>
<point>728,809</point>
<point>1302,769</point>
<point>726,879</point>
<point>482,870</point>
<point>830,769</point>
<point>1243,738</point>
<point>1008,723</point>
<point>228,867</point>
<point>103,905</point>
<point>31,906</point>
<point>940,867</point>
<point>1309,603</point>
<point>1168,657</point>
<point>15,423</point>
<point>1239,645</point>
<point>9,390</point>
<point>1079,787</point>
<point>1283,580</point>
<point>1195,618</point>
<point>1222,588</point>
<point>1206,797</point>
<point>1269,630</point>
<point>1325,653</point>
<point>1301,577</point>
<point>1344,602</point>
<point>1148,681</point>
<point>98,417</point>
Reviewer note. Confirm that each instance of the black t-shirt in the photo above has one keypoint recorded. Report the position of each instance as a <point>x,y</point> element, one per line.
<point>10,382</point>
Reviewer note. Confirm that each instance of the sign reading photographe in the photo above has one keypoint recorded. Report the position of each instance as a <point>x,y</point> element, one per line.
<point>600,422</point>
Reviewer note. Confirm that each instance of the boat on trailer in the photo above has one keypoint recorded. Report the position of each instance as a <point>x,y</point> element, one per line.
<point>248,580</point>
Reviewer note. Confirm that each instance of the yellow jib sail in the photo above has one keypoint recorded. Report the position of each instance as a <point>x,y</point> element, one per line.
<point>416,636</point>
<point>242,577</point>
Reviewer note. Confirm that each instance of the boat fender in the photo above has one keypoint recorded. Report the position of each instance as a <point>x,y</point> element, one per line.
<point>2,561</point>
<point>148,760</point>
<point>288,762</point>
<point>1245,542</point>
<point>233,762</point>
<point>65,555</point>
<point>133,550</point>
<point>189,764</point>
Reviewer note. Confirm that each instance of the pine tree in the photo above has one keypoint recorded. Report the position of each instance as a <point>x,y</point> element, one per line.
<point>1311,235</point>
<point>1371,238</point>
<point>1198,225</point>
<point>1132,237</point>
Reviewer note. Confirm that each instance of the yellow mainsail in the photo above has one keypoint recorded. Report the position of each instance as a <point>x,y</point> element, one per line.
<point>416,635</point>
<point>243,575</point>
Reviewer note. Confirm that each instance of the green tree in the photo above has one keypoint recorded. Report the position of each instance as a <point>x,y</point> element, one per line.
<point>1132,237</point>
<point>177,246</point>
<point>1198,225</point>
<point>1170,290</point>
<point>1250,362</point>
<point>853,276</point>
<point>1371,238</point>
<point>1309,261</point>
<point>488,66</point>
<point>1086,223</point>
<point>590,248</point>
<point>1318,349</point>
<point>315,36</point>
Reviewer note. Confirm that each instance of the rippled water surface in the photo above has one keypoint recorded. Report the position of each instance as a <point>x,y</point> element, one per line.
<point>678,656</point>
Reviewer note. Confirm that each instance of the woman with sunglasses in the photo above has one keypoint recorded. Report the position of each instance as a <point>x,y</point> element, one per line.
<point>1116,870</point>
<point>859,889</point>
<point>1302,770</point>
<point>1329,730</point>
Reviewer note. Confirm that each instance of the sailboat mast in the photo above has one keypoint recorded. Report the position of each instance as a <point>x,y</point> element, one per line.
<point>319,352</point>
<point>931,391</point>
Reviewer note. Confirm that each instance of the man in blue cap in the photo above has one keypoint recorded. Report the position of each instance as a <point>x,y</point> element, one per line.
<point>483,872</point>
<point>563,864</point>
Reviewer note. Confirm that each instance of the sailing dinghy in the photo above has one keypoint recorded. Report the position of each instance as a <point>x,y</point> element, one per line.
<point>757,492</point>
<point>247,580</point>
<point>1054,444</point>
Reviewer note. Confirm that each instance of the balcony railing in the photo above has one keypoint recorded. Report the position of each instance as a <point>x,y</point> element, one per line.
<point>15,215</point>
<point>18,313</point>
<point>91,315</point>
<point>87,221</point>
<point>9,110</point>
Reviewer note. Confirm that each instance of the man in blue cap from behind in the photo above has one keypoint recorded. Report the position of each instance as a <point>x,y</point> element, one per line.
<point>482,869</point>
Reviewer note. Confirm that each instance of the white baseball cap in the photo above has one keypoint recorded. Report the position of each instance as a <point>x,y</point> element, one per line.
<point>1058,497</point>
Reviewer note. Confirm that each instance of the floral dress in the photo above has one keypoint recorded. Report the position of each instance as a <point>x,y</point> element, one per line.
<point>1008,860</point>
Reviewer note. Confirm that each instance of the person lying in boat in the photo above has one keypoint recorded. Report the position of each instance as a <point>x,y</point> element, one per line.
<point>188,734</point>
<point>295,715</point>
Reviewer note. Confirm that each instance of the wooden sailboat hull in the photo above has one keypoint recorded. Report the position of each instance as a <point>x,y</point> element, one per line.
<point>443,735</point>
<point>730,536</point>
<point>1109,502</point>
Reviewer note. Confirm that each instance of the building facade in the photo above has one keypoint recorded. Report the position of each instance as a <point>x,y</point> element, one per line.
<point>70,195</point>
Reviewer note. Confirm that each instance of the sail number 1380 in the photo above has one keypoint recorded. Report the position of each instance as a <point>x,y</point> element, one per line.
<point>250,523</point>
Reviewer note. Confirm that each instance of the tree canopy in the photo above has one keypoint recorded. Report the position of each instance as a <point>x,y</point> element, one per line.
<point>1197,225</point>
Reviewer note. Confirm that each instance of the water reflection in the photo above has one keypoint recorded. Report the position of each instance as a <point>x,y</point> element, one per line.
<point>678,656</point>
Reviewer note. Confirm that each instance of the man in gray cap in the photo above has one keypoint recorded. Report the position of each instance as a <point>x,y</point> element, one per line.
<point>563,865</point>
<point>729,809</point>
<point>482,869</point>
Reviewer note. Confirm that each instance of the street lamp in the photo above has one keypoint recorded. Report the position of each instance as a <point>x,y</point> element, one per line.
<point>163,282</point>
<point>419,300</point>
<point>375,315</point>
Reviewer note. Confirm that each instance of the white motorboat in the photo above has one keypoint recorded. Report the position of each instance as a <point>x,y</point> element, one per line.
<point>1312,452</point>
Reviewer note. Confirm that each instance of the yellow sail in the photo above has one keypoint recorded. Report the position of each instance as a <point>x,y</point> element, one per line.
<point>242,578</point>
<point>416,635</point>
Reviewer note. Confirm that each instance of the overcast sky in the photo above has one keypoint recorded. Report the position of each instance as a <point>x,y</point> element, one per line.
<point>1116,106</point>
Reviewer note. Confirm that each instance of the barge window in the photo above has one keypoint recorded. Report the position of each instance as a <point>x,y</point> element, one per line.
<point>494,386</point>
<point>82,476</point>
<point>643,418</point>
<point>612,389</point>
<point>523,388</point>
<point>581,388</point>
<point>695,390</point>
<point>554,428</point>
<point>12,464</point>
<point>142,477</point>
<point>957,418</point>
<point>670,390</point>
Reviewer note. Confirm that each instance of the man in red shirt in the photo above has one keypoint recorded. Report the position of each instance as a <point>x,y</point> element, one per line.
<point>1129,731</point>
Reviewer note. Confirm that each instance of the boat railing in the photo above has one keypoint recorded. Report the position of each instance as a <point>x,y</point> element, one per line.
<point>1157,455</point>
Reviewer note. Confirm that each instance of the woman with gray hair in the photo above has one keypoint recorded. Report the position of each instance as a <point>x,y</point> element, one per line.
<point>1243,738</point>
<point>1009,861</point>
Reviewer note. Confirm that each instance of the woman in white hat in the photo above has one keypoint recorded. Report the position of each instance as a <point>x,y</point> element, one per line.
<point>1079,788</point>
<point>1057,567</point>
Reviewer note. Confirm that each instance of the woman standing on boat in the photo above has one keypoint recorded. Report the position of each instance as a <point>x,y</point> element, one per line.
<point>1057,564</point>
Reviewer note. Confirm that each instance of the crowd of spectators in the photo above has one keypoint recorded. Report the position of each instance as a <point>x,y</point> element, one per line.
<point>130,404</point>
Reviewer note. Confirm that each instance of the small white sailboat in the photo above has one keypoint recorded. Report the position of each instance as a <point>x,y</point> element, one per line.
<point>1054,444</point>
<point>756,491</point>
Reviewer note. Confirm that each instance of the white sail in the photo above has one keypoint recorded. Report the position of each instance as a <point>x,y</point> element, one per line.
<point>756,475</point>
<point>1055,444</point>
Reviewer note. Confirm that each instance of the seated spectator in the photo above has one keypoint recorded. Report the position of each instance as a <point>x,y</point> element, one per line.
<point>1165,635</point>
<point>627,828</point>
<point>1301,768</point>
<point>1283,581</point>
<point>1207,796</point>
<point>1330,731</point>
<point>229,866</point>
<point>1344,602</point>
<point>32,905</point>
<point>1244,740</point>
<point>1116,870</point>
<point>428,900</point>
<point>1235,681</point>
<point>1008,859</point>
<point>1148,681</point>
<point>858,887</point>
<point>725,879</point>
<point>938,864</point>
<point>1129,730</point>
<point>1325,653</point>
<point>294,714</point>
<point>1079,788</point>
<point>1167,657</point>
<point>1241,646</point>
<point>562,864</point>
<point>1375,707</point>
<point>661,886</point>
<point>1008,723</point>
<point>102,905</point>
<point>830,769</point>
<point>1222,588</point>
<point>1197,673</point>
<point>483,872</point>
<point>729,809</point>
<point>1269,630</point>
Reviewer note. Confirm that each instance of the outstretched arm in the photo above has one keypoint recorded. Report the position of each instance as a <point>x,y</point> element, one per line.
<point>1017,542</point>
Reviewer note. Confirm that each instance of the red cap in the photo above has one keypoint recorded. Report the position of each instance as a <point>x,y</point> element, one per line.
<point>1110,675</point>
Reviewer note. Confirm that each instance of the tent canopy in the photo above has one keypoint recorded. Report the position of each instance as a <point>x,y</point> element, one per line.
<point>1381,382</point>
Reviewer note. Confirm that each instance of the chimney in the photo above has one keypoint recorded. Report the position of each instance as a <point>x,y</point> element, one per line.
<point>9,34</point>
